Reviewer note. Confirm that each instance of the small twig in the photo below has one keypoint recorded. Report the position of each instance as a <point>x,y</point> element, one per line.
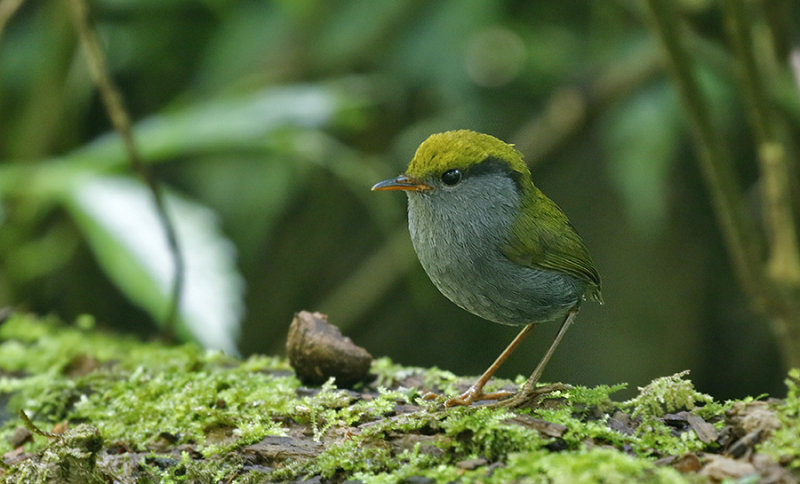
<point>33,428</point>
<point>121,122</point>
<point>7,10</point>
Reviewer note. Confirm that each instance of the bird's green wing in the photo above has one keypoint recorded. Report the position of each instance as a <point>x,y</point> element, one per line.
<point>543,238</point>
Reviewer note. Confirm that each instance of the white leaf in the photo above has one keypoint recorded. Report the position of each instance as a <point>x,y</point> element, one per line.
<point>119,219</point>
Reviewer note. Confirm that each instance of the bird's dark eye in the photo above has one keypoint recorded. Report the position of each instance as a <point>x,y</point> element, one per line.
<point>451,177</point>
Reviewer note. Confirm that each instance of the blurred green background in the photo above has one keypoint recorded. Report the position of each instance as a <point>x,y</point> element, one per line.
<point>278,116</point>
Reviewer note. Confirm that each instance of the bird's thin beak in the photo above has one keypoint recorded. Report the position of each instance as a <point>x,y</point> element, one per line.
<point>402,182</point>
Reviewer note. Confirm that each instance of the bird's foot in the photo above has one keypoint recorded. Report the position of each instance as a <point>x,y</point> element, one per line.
<point>531,396</point>
<point>475,394</point>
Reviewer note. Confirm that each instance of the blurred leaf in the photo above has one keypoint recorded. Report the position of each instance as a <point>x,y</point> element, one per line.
<point>119,221</point>
<point>346,38</point>
<point>253,42</point>
<point>41,256</point>
<point>240,122</point>
<point>247,122</point>
<point>641,136</point>
<point>445,27</point>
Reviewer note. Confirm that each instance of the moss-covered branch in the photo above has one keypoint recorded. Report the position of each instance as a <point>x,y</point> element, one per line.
<point>135,412</point>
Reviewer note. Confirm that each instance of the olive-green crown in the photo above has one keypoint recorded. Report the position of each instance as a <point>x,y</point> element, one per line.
<point>461,149</point>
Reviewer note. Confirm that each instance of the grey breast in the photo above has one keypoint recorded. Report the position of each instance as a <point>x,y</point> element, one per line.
<point>458,233</point>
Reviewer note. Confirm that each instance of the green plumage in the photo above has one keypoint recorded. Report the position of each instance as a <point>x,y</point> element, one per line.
<point>541,237</point>
<point>461,149</point>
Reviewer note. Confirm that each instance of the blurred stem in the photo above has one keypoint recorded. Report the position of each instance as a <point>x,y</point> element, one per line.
<point>783,265</point>
<point>784,258</point>
<point>122,124</point>
<point>7,10</point>
<point>749,77</point>
<point>740,235</point>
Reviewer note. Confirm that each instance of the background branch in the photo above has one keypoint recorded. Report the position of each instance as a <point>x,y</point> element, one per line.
<point>783,265</point>
<point>726,194</point>
<point>741,237</point>
<point>112,100</point>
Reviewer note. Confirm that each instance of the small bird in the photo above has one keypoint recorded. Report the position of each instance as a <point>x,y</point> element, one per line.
<point>493,243</point>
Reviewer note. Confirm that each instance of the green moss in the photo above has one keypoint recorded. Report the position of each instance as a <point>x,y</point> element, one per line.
<point>654,438</point>
<point>183,470</point>
<point>71,457</point>
<point>663,396</point>
<point>591,465</point>
<point>182,414</point>
<point>424,467</point>
<point>486,433</point>
<point>390,374</point>
<point>139,393</point>
<point>666,395</point>
<point>782,444</point>
<point>580,431</point>
<point>599,396</point>
<point>349,457</point>
<point>188,404</point>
